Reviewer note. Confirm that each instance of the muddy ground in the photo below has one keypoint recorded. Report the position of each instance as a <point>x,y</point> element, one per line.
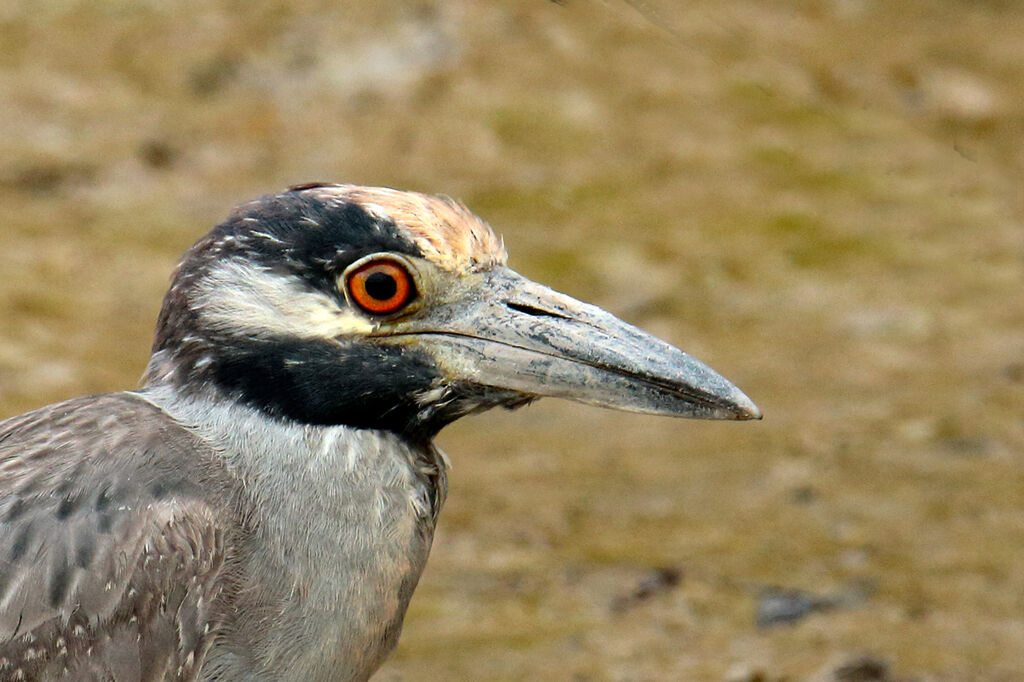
<point>823,199</point>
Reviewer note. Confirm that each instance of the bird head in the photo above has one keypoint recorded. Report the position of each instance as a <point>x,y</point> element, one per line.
<point>375,308</point>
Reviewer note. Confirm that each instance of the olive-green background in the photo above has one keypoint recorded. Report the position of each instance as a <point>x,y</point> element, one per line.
<point>820,198</point>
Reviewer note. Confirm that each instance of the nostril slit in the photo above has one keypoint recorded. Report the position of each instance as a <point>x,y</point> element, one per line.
<point>536,312</point>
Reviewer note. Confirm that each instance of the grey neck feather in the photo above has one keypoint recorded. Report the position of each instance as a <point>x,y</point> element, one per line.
<point>337,514</point>
<point>300,457</point>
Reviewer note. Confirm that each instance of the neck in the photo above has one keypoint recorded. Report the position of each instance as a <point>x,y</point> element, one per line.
<point>302,455</point>
<point>334,513</point>
<point>325,383</point>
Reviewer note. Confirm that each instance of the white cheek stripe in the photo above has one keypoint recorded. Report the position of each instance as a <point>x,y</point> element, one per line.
<point>240,297</point>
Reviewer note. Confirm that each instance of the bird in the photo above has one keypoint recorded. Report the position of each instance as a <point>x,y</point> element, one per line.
<point>262,507</point>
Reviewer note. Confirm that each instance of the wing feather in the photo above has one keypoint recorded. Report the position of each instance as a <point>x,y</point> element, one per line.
<point>113,546</point>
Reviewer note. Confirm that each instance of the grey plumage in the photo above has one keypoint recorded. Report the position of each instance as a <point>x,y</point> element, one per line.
<point>109,529</point>
<point>263,508</point>
<point>142,548</point>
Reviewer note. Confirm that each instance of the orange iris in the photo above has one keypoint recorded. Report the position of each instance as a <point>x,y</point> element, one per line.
<point>380,287</point>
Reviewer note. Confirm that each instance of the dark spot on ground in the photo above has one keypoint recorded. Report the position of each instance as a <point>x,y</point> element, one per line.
<point>968,447</point>
<point>1014,372</point>
<point>157,154</point>
<point>863,669</point>
<point>211,77</point>
<point>44,178</point>
<point>803,494</point>
<point>655,581</point>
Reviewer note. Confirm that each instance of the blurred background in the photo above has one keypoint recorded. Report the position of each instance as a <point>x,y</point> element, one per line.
<point>820,198</point>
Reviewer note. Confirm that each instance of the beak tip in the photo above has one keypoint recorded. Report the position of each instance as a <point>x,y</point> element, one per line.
<point>753,414</point>
<point>744,409</point>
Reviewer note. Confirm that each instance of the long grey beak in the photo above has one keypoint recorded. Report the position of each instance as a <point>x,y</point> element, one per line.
<point>508,332</point>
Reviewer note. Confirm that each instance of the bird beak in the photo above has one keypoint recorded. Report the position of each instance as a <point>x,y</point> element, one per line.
<point>508,332</point>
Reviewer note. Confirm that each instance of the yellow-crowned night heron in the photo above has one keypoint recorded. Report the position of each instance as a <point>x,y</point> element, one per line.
<point>263,507</point>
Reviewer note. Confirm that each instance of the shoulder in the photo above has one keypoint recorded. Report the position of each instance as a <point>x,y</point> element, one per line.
<point>105,449</point>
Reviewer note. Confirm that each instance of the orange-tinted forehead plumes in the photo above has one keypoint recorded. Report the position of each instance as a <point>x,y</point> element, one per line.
<point>446,231</point>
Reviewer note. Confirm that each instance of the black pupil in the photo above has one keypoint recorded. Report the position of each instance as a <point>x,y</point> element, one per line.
<point>381,286</point>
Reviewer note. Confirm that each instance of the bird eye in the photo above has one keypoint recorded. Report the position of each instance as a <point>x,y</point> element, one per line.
<point>380,287</point>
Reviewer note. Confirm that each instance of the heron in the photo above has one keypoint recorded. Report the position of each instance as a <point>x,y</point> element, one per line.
<point>263,506</point>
